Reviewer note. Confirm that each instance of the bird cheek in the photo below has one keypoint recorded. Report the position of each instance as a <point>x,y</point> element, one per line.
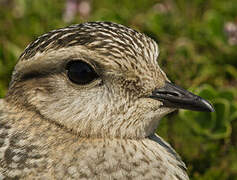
<point>148,104</point>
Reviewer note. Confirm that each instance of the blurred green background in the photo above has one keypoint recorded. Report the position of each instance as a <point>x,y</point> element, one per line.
<point>198,50</point>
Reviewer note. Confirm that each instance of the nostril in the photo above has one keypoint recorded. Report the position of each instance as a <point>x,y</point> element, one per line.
<point>174,94</point>
<point>167,93</point>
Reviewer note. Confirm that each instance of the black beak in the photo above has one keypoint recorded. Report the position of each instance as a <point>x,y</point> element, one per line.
<point>177,97</point>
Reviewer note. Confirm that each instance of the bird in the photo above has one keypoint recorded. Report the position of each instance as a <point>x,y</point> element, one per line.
<point>84,102</point>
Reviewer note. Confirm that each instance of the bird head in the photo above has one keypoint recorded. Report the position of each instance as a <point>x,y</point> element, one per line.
<point>98,79</point>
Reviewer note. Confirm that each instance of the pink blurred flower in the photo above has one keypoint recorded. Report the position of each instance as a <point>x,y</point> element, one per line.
<point>231,31</point>
<point>74,7</point>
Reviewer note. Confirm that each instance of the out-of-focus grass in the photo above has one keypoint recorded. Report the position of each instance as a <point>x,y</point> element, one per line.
<point>194,51</point>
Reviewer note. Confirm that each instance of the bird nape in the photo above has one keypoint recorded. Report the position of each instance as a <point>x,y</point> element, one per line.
<point>84,102</point>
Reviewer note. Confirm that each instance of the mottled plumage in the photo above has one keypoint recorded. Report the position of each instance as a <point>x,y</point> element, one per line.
<point>53,128</point>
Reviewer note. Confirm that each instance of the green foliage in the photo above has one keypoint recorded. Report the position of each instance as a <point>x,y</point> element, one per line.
<point>216,125</point>
<point>194,51</point>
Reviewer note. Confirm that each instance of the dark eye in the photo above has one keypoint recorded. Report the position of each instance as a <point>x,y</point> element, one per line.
<point>80,72</point>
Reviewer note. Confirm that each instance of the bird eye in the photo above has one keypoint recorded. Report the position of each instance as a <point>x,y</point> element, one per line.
<point>80,72</point>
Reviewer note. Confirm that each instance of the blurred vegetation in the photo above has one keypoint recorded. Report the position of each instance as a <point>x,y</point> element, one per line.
<point>194,51</point>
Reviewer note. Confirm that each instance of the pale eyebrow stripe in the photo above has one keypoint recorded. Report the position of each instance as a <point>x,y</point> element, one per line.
<point>41,73</point>
<point>35,74</point>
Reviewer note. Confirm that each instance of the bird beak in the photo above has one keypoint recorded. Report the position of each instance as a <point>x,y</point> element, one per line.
<point>176,97</point>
